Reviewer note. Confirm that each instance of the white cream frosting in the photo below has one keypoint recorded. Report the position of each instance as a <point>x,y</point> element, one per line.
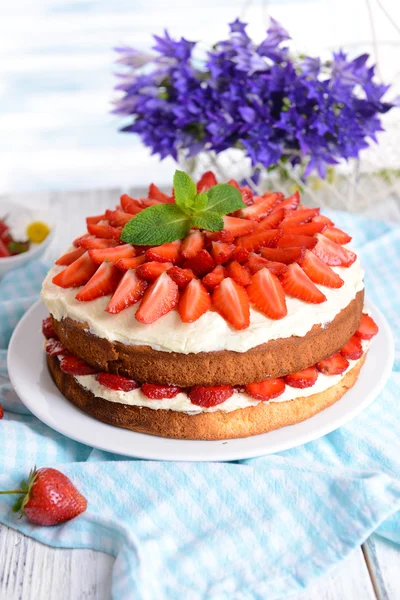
<point>209,333</point>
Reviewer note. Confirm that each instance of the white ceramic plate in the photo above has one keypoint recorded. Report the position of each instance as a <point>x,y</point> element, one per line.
<point>32,382</point>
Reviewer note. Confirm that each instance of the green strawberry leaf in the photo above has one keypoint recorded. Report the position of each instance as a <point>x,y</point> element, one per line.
<point>208,220</point>
<point>184,189</point>
<point>199,202</point>
<point>156,225</point>
<point>223,199</point>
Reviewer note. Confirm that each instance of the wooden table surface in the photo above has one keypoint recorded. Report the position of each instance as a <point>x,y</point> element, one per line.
<point>31,571</point>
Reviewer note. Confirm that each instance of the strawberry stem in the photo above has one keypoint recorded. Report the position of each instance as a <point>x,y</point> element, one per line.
<point>14,492</point>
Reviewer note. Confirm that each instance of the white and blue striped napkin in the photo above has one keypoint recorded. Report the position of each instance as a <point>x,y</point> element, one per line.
<point>260,528</point>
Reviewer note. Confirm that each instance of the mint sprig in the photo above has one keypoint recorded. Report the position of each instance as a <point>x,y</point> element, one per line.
<point>169,222</point>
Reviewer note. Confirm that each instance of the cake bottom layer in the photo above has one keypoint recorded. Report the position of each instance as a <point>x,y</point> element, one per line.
<point>219,425</point>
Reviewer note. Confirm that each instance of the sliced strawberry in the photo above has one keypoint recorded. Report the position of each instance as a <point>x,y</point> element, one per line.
<point>158,392</point>
<point>156,194</point>
<point>262,209</point>
<point>118,218</point>
<point>48,329</point>
<point>69,257</point>
<point>150,271</point>
<point>296,217</point>
<point>282,255</point>
<point>333,254</point>
<point>214,278</point>
<point>164,253</point>
<point>319,272</point>
<point>206,181</point>
<point>241,255</point>
<point>77,273</point>
<point>221,252</point>
<point>207,396</point>
<point>238,227</point>
<point>95,219</point>
<point>266,390</point>
<point>4,251</point>
<point>296,283</point>
<point>105,231</point>
<point>91,243</point>
<point>352,349</point>
<point>337,235</point>
<point>255,263</point>
<point>334,365</point>
<point>322,219</point>
<point>220,236</point>
<point>131,205</point>
<point>129,291</point>
<point>234,183</point>
<point>272,221</point>
<point>55,348</point>
<point>181,276</point>
<point>113,255</point>
<point>74,366</point>
<point>238,273</point>
<point>302,379</point>
<point>232,303</point>
<point>247,195</point>
<point>290,203</point>
<point>194,301</point>
<point>257,240</point>
<point>161,297</point>
<point>367,329</point>
<point>78,241</point>
<point>296,241</point>
<point>105,281</point>
<point>201,264</point>
<point>192,244</point>
<point>117,382</point>
<point>308,229</point>
<point>130,263</point>
<point>266,293</point>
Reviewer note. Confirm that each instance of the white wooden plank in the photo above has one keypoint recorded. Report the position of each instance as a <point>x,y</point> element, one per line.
<point>383,559</point>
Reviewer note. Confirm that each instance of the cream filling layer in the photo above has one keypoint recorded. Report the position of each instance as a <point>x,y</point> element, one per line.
<point>209,333</point>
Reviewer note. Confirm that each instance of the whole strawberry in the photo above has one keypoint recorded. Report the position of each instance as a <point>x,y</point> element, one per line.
<point>48,498</point>
<point>1,412</point>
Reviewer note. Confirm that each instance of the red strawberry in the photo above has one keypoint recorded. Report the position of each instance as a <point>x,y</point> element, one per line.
<point>78,241</point>
<point>265,390</point>
<point>201,264</point>
<point>296,217</point>
<point>352,349</point>
<point>75,366</point>
<point>241,255</point>
<point>165,252</point>
<point>220,236</point>
<point>161,297</point>
<point>77,273</point>
<point>290,203</point>
<point>304,229</point>
<point>194,301</point>
<point>234,183</point>
<point>302,379</point>
<point>105,281</point>
<point>55,348</point>
<point>151,270</point>
<point>247,195</point>
<point>1,412</point>
<point>192,244</point>
<point>118,218</point>
<point>319,272</point>
<point>272,221</point>
<point>3,250</point>
<point>337,235</point>
<point>255,263</point>
<point>155,193</point>
<point>129,291</point>
<point>221,252</point>
<point>296,283</point>
<point>334,365</point>
<point>49,498</point>
<point>113,255</point>
<point>322,219</point>
<point>333,254</point>
<point>117,382</point>
<point>69,257</point>
<point>257,240</point>
<point>159,392</point>
<point>130,263</point>
<point>206,181</point>
<point>259,211</point>
<point>207,396</point>
<point>232,303</point>
<point>131,205</point>
<point>105,231</point>
<point>282,255</point>
<point>48,329</point>
<point>239,273</point>
<point>266,293</point>
<point>91,243</point>
<point>181,276</point>
<point>238,227</point>
<point>96,219</point>
<point>214,278</point>
<point>367,329</point>
<point>293,241</point>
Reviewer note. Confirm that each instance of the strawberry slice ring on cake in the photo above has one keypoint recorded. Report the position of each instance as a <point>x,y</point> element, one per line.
<point>208,313</point>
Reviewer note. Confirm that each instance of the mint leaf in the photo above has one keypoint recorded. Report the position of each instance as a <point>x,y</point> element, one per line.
<point>156,225</point>
<point>223,199</point>
<point>184,189</point>
<point>199,202</point>
<point>208,220</point>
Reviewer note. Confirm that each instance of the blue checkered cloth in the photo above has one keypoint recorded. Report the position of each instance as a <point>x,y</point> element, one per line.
<point>252,529</point>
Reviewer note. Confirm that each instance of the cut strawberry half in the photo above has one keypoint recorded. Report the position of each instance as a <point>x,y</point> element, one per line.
<point>118,218</point>
<point>308,229</point>
<point>105,281</point>
<point>262,209</point>
<point>221,252</point>
<point>4,251</point>
<point>78,241</point>
<point>55,348</point>
<point>266,390</point>
<point>150,271</point>
<point>296,217</point>
<point>296,241</point>
<point>130,263</point>
<point>322,219</point>
<point>319,272</point>
<point>206,181</point>
<point>48,328</point>
<point>283,255</point>
<point>77,273</point>
<point>239,227</point>
<point>155,193</point>
<point>207,396</point>
<point>92,243</point>
<point>247,195</point>
<point>257,240</point>
<point>194,301</point>
<point>267,294</point>
<point>95,219</point>
<point>367,329</point>
<point>131,205</point>
<point>241,255</point>
<point>113,255</point>
<point>214,278</point>
<point>334,365</point>
<point>201,264</point>
<point>159,392</point>
<point>272,221</point>
<point>220,236</point>
<point>296,283</point>
<point>129,291</point>
<point>239,273</point>
<point>74,366</point>
<point>181,276</point>
<point>105,231</point>
<point>290,203</point>
<point>161,297</point>
<point>337,235</point>
<point>256,263</point>
<point>117,382</point>
<point>232,303</point>
<point>165,253</point>
<point>192,244</point>
<point>352,349</point>
<point>70,257</point>
<point>302,379</point>
<point>333,254</point>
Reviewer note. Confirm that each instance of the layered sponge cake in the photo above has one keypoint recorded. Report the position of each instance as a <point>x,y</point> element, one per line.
<point>256,324</point>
